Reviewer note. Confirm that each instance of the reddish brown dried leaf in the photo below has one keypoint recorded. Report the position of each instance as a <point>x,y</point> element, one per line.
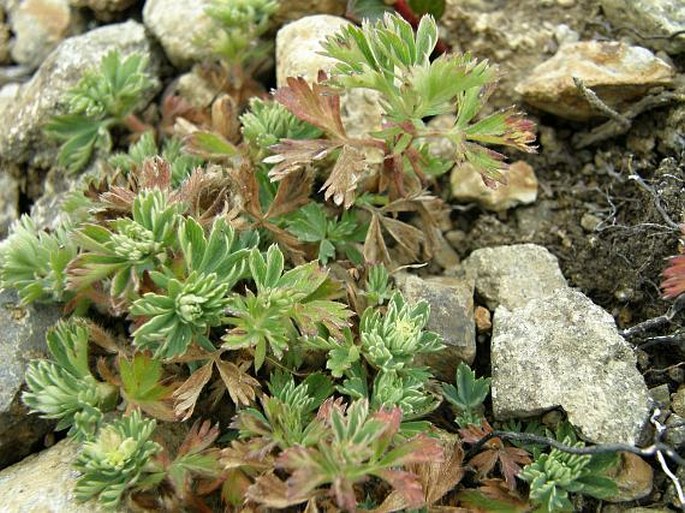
<point>375,251</point>
<point>406,484</point>
<point>187,394</point>
<point>271,492</point>
<point>407,236</point>
<point>241,386</point>
<point>317,104</point>
<point>199,438</point>
<point>293,193</point>
<point>495,452</point>
<point>493,495</point>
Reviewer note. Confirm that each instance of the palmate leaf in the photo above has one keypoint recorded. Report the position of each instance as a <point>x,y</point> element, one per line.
<point>317,104</point>
<point>494,452</point>
<point>468,396</point>
<point>80,137</point>
<point>141,379</point>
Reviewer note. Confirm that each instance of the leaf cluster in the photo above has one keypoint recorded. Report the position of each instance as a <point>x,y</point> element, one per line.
<point>468,396</point>
<point>34,262</point>
<point>238,24</point>
<point>102,99</point>
<point>552,476</point>
<point>64,388</point>
<point>285,305</point>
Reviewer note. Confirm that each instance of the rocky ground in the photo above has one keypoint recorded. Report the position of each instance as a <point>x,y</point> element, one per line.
<point>541,278</point>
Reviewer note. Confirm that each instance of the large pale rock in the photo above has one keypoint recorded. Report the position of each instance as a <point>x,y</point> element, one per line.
<point>179,26</point>
<point>451,317</point>
<point>38,27</point>
<point>43,96</point>
<point>514,36</point>
<point>565,351</point>
<point>298,47</point>
<point>44,483</point>
<point>665,18</point>
<point>521,187</point>
<point>513,275</point>
<point>615,71</point>
<point>22,338</point>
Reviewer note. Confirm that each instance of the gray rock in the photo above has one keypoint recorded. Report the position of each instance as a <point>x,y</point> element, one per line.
<point>9,202</point>
<point>513,275</point>
<point>661,396</point>
<point>298,47</point>
<point>678,401</point>
<point>22,338</point>
<point>43,96</point>
<point>164,18</point>
<point>675,431</point>
<point>45,483</point>
<point>650,18</point>
<point>451,317</point>
<point>563,350</point>
<point>38,27</point>
<point>618,72</point>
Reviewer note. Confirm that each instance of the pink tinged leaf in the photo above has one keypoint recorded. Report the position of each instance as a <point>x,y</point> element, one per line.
<point>407,484</point>
<point>391,418</point>
<point>343,492</point>
<point>317,104</point>
<point>510,461</point>
<point>186,395</point>
<point>419,449</point>
<point>341,183</point>
<point>674,277</point>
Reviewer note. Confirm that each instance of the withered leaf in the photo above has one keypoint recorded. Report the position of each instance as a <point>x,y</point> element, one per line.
<point>271,492</point>
<point>186,395</point>
<point>241,386</point>
<point>341,183</point>
<point>199,438</point>
<point>375,251</point>
<point>495,452</point>
<point>437,476</point>
<point>406,235</point>
<point>290,155</point>
<point>293,193</point>
<point>317,104</point>
<point>406,484</point>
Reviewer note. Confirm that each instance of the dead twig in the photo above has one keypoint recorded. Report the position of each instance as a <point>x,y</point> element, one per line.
<point>617,126</point>
<point>677,306</point>
<point>649,451</point>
